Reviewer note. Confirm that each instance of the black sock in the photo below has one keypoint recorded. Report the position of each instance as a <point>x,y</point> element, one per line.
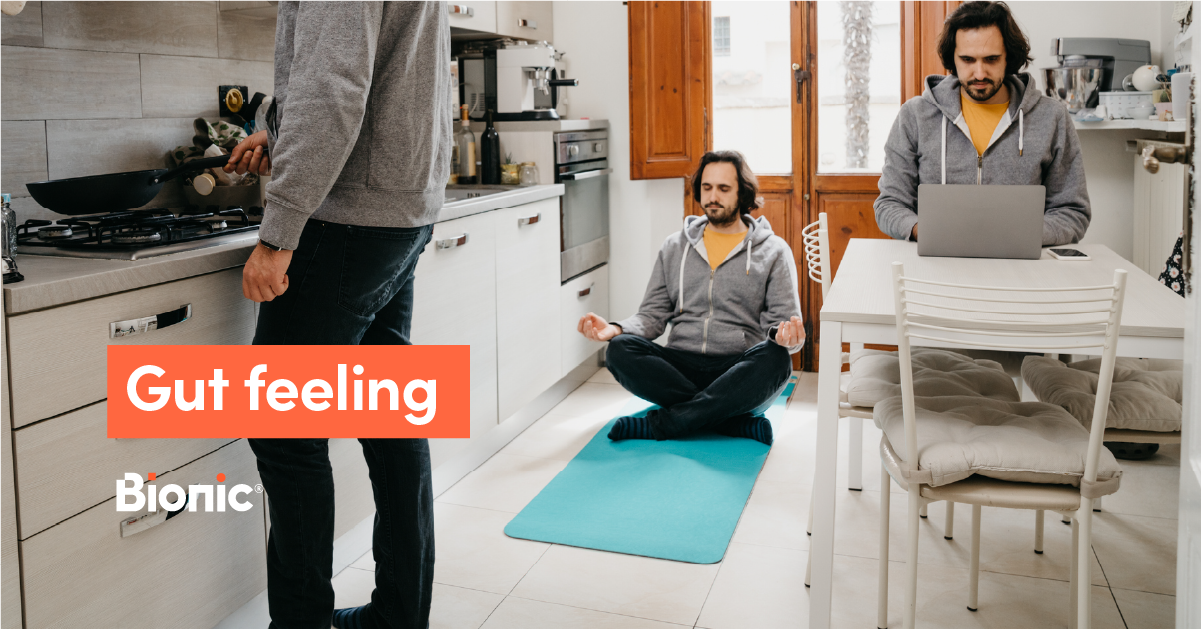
<point>748,427</point>
<point>352,617</point>
<point>631,428</point>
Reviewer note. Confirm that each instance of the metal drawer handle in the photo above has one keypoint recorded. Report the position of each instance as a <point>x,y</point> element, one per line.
<point>130,327</point>
<point>461,9</point>
<point>529,220</point>
<point>527,23</point>
<point>587,291</point>
<point>135,525</point>
<point>449,243</point>
<point>586,175</point>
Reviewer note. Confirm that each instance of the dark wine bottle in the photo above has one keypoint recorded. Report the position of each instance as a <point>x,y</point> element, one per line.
<point>490,154</point>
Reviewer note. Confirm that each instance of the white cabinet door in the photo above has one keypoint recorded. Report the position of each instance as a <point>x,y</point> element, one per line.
<point>586,293</point>
<point>527,20</point>
<point>472,14</point>
<point>527,302</point>
<point>454,303</point>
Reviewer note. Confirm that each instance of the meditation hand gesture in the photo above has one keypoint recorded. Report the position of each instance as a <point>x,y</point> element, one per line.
<point>596,328</point>
<point>790,333</point>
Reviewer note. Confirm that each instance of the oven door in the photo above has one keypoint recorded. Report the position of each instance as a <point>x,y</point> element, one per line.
<point>584,210</point>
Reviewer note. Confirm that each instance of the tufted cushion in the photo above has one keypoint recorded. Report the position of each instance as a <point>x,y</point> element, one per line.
<point>1146,394</point>
<point>1030,442</point>
<point>876,375</point>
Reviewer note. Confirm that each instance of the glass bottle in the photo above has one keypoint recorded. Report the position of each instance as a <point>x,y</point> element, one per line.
<point>465,142</point>
<point>490,154</point>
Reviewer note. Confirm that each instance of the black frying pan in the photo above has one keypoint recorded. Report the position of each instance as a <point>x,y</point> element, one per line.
<point>111,193</point>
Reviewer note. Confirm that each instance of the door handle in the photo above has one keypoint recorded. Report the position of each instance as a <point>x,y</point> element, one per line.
<point>138,524</point>
<point>529,220</point>
<point>587,291</point>
<point>460,9</point>
<point>450,243</point>
<point>528,24</point>
<point>130,327</point>
<point>800,76</point>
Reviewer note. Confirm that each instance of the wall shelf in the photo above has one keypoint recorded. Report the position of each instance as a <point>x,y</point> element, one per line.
<point>1175,126</point>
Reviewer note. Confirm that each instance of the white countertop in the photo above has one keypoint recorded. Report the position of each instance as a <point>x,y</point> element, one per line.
<point>53,281</point>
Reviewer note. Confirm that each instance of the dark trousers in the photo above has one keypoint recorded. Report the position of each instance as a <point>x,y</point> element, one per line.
<point>348,285</point>
<point>698,392</point>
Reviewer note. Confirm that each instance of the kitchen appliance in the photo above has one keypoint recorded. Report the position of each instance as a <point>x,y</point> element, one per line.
<point>111,193</point>
<point>582,166</point>
<point>137,234</point>
<point>1115,57</point>
<point>505,76</point>
<point>1075,87</point>
<point>8,231</point>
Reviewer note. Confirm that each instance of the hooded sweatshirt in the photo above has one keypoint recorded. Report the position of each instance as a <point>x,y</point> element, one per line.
<point>1033,144</point>
<point>361,130</point>
<point>722,311</point>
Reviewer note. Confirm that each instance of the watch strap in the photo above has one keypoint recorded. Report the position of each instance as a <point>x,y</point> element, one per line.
<point>269,245</point>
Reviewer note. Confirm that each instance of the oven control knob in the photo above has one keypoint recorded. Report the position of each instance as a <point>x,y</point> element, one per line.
<point>573,150</point>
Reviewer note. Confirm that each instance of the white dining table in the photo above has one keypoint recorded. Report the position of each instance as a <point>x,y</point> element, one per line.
<point>859,309</point>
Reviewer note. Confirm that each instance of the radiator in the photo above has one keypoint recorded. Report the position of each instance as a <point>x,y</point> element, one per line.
<point>1158,214</point>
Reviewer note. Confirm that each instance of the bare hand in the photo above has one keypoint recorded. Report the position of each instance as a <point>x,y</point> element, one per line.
<point>250,155</point>
<point>595,327</point>
<point>265,275</point>
<point>914,233</point>
<point>790,333</point>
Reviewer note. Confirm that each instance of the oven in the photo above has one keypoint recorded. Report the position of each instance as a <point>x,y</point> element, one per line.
<point>582,166</point>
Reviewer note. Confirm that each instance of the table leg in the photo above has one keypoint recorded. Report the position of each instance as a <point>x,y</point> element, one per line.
<point>821,546</point>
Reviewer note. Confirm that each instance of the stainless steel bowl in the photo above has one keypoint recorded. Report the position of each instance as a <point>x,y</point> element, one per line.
<point>1075,87</point>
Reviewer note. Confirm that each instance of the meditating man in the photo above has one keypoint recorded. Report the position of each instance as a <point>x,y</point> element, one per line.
<point>728,287</point>
<point>986,123</point>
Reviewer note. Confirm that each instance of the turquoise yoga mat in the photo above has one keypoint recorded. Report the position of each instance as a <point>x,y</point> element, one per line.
<point>676,499</point>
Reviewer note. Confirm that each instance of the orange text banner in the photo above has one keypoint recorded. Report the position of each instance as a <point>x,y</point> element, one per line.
<point>289,391</point>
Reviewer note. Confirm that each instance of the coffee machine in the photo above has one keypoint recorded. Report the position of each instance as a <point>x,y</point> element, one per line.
<point>515,79</point>
<point>1117,58</point>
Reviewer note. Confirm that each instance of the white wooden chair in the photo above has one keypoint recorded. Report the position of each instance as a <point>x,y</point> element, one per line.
<point>1072,319</point>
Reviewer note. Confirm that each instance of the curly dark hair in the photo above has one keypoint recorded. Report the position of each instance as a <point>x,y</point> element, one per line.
<point>748,185</point>
<point>972,15</point>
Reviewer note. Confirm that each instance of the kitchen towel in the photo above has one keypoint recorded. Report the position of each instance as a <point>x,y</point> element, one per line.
<point>676,499</point>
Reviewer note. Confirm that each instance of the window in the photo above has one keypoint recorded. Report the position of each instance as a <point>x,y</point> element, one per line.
<point>721,37</point>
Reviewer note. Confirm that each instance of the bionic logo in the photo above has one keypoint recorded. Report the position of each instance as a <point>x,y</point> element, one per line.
<point>173,498</point>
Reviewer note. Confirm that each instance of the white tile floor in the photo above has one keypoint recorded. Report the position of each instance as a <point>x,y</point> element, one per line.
<point>484,579</point>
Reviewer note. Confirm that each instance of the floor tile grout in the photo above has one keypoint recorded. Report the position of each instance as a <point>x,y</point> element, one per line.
<point>601,611</point>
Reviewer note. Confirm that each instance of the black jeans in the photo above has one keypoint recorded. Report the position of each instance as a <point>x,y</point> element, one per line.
<point>698,392</point>
<point>348,285</point>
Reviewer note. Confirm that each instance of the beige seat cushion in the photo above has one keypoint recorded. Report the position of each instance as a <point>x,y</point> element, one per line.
<point>876,375</point>
<point>1027,442</point>
<point>1146,394</point>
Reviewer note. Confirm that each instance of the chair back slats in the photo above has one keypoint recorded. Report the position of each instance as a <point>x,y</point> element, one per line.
<point>1034,324</point>
<point>816,239</point>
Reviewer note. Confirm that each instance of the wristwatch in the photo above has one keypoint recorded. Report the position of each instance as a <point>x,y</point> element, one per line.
<point>269,245</point>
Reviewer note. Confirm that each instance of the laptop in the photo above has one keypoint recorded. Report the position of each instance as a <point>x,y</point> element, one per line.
<point>977,221</point>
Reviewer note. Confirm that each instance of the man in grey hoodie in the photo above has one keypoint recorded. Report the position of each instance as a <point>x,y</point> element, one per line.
<point>728,287</point>
<point>359,147</point>
<point>984,124</point>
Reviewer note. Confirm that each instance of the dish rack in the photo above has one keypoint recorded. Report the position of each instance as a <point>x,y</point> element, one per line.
<point>1123,104</point>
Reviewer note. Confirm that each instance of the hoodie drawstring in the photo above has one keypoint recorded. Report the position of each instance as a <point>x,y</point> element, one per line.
<point>748,254</point>
<point>683,259</point>
<point>1021,130</point>
<point>944,150</point>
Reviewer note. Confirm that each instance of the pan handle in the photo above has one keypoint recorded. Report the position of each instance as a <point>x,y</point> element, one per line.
<point>192,166</point>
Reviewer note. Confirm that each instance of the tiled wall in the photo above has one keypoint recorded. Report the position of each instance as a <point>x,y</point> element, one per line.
<point>91,88</point>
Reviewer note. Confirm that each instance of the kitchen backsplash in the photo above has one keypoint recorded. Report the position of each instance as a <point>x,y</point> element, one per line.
<point>92,88</point>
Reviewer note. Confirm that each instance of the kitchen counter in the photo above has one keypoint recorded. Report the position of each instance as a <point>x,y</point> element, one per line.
<point>54,281</point>
<point>542,125</point>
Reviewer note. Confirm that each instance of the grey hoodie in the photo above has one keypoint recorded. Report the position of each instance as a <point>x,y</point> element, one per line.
<point>1034,144</point>
<point>725,311</point>
<point>362,125</point>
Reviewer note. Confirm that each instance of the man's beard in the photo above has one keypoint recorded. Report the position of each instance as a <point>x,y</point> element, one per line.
<point>721,216</point>
<point>981,94</point>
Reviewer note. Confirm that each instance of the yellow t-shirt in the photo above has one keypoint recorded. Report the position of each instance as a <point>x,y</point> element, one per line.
<point>718,246</point>
<point>981,120</point>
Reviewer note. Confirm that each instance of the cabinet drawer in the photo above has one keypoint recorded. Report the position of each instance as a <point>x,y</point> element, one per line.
<point>354,500</point>
<point>67,464</point>
<point>187,572</point>
<point>527,303</point>
<point>586,293</point>
<point>527,20</point>
<point>58,356</point>
<point>454,303</point>
<point>472,14</point>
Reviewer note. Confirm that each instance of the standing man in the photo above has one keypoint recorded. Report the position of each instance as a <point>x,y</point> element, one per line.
<point>360,148</point>
<point>728,287</point>
<point>984,124</point>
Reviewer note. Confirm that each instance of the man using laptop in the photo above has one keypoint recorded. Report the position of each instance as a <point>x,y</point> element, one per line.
<point>984,124</point>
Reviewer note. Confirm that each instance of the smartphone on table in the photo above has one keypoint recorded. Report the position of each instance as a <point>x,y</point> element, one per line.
<point>1064,253</point>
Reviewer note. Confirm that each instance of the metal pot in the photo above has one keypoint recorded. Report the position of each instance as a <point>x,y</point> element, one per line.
<point>1075,87</point>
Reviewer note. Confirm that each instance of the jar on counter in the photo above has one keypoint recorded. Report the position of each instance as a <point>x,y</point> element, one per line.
<point>529,174</point>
